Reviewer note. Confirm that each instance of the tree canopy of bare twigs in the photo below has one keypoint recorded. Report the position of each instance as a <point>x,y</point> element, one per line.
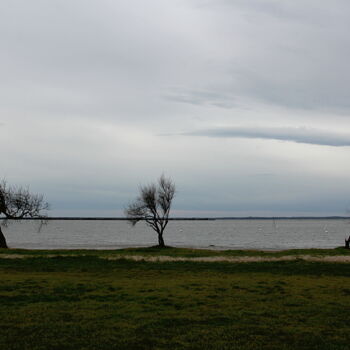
<point>17,203</point>
<point>153,206</point>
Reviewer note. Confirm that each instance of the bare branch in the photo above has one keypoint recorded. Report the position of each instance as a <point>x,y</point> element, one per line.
<point>135,212</point>
<point>17,203</point>
<point>166,194</point>
<point>153,206</point>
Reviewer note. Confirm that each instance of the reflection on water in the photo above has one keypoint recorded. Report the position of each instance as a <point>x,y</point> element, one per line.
<point>219,234</point>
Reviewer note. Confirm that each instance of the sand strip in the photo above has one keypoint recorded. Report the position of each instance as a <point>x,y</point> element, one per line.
<point>240,259</point>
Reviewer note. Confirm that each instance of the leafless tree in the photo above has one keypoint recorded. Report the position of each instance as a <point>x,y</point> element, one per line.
<point>17,203</point>
<point>153,206</point>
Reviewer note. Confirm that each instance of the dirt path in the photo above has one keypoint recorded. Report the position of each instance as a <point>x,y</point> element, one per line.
<point>240,259</point>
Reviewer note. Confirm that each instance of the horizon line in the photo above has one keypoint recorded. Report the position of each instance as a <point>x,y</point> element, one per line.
<point>188,218</point>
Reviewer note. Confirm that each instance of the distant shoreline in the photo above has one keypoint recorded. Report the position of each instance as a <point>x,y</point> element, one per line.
<point>200,219</point>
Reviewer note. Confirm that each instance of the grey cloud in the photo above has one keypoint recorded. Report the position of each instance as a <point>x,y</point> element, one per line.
<point>275,8</point>
<point>86,85</point>
<point>299,135</point>
<point>202,97</point>
<point>292,55</point>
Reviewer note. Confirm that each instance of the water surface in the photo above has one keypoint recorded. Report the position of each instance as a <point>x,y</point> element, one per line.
<point>216,234</point>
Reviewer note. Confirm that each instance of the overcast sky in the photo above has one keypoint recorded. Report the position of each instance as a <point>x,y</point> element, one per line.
<point>245,104</point>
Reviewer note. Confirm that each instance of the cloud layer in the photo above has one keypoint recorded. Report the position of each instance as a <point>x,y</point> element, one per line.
<point>88,86</point>
<point>299,135</point>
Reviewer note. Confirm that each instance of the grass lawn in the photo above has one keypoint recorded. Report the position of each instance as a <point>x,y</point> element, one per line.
<point>85,302</point>
<point>177,252</point>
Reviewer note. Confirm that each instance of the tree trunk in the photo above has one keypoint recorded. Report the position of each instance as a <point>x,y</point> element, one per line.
<point>3,243</point>
<point>161,243</point>
<point>347,243</point>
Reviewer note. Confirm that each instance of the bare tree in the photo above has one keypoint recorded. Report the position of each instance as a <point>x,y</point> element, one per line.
<point>17,203</point>
<point>153,206</point>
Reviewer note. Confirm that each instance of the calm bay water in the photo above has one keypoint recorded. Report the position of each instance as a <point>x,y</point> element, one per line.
<point>216,234</point>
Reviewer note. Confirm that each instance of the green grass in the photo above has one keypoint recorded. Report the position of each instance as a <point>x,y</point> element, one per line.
<point>179,252</point>
<point>84,302</point>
